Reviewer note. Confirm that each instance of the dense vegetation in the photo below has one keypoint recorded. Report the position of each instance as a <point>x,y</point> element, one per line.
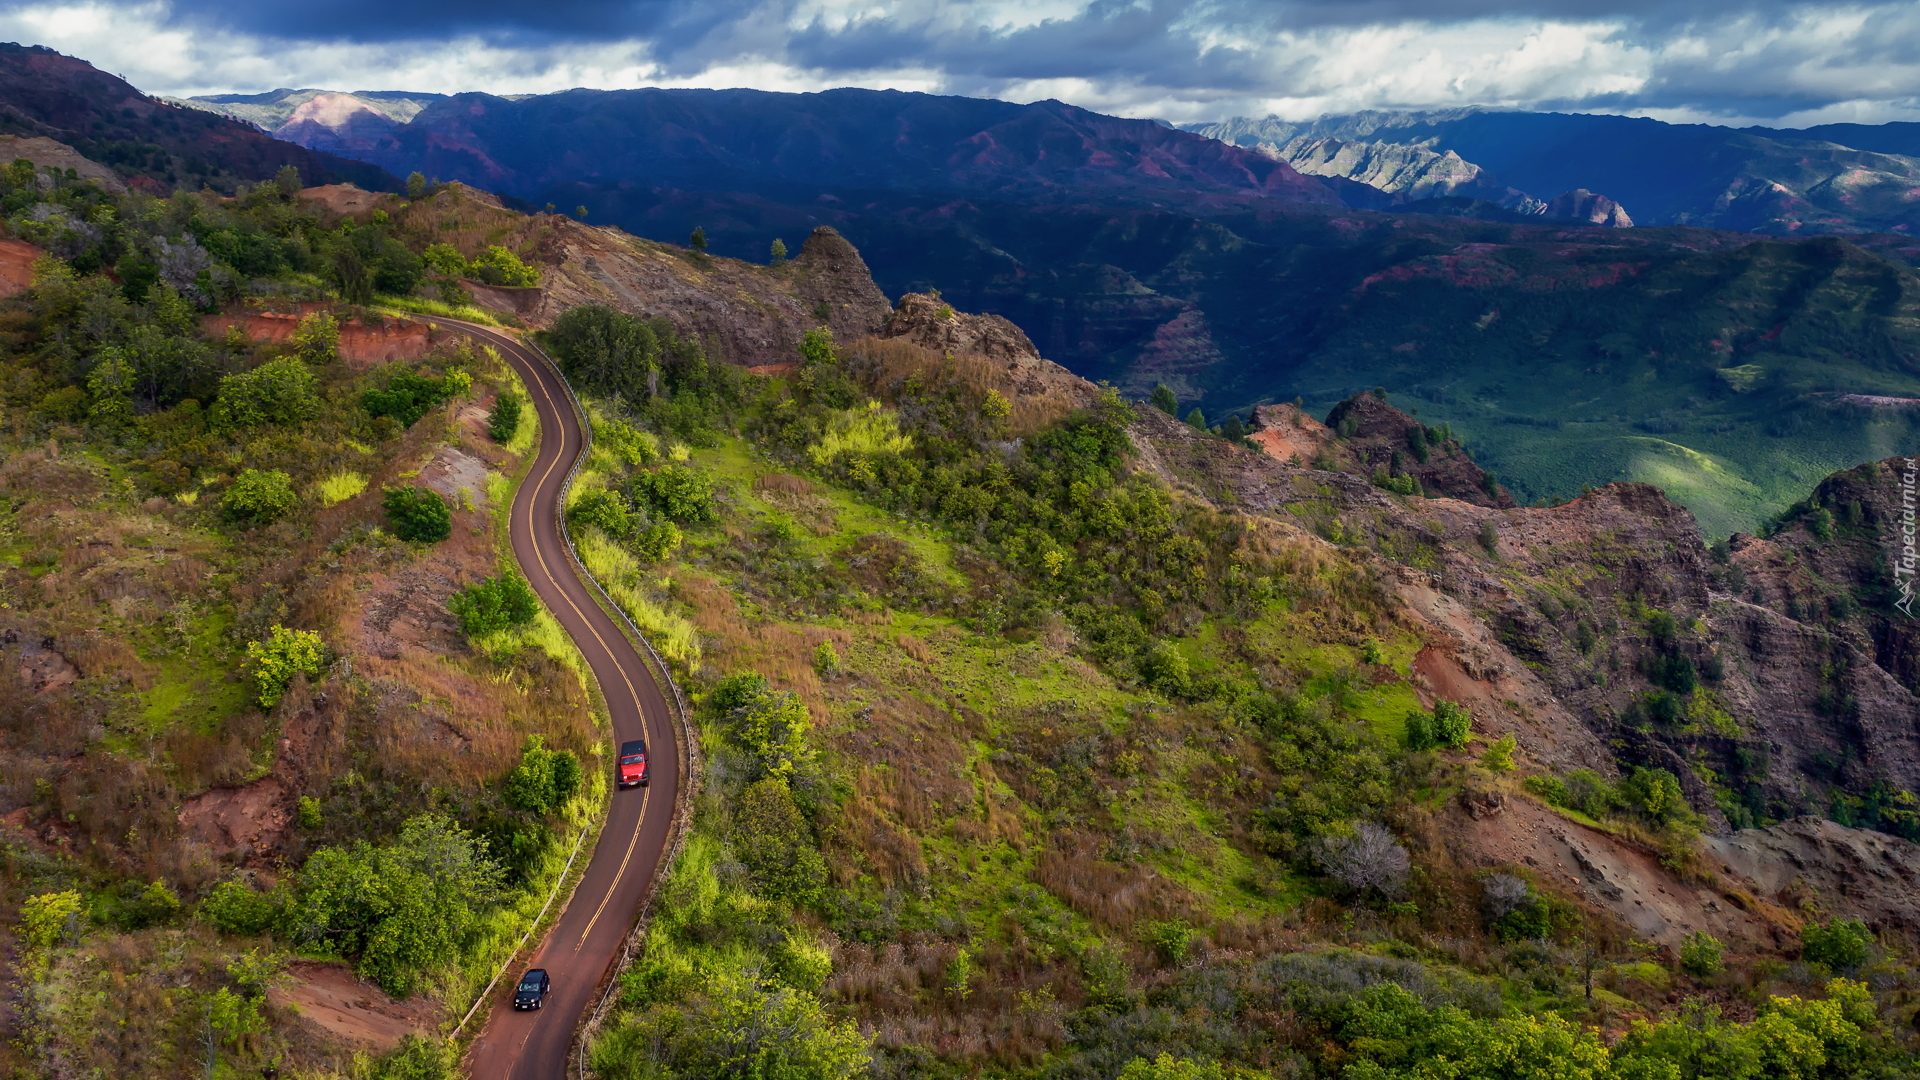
<point>935,840</point>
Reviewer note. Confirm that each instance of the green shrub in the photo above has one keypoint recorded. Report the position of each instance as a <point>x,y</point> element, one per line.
<point>1449,725</point>
<point>498,266</point>
<point>283,391</point>
<point>1654,794</point>
<point>418,514</point>
<point>1164,667</point>
<point>1842,944</point>
<point>543,781</point>
<point>235,908</point>
<point>1499,755</point>
<point>503,422</point>
<point>494,604</point>
<point>1700,954</point>
<point>1171,940</point>
<point>605,510</point>
<point>775,844</point>
<point>658,541</point>
<point>317,339</point>
<point>826,660</point>
<point>408,395</point>
<point>274,662</point>
<point>416,1058</point>
<point>677,493</point>
<point>258,497</point>
<point>771,727</point>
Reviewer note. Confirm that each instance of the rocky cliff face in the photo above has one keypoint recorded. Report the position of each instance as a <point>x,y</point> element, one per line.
<point>1588,208</point>
<point>1774,678</point>
<point>1381,441</point>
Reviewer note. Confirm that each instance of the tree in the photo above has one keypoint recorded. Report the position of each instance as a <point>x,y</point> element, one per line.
<point>1164,400</point>
<point>418,514</point>
<point>698,241</point>
<point>280,392</point>
<point>503,423</point>
<point>408,395</point>
<point>258,497</point>
<point>580,212</point>
<point>416,187</point>
<point>494,604</point>
<point>289,182</point>
<point>350,273</point>
<point>778,252</point>
<point>274,662</point>
<point>1196,419</point>
<point>111,385</point>
<point>1499,755</point>
<point>50,919</point>
<point>401,909</point>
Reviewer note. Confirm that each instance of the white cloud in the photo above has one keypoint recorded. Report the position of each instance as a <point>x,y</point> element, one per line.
<point>1812,64</point>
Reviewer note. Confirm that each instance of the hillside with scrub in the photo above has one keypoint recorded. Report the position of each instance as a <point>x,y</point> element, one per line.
<point>1043,733</point>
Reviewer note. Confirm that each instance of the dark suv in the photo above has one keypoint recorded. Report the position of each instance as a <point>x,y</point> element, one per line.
<point>633,763</point>
<point>532,991</point>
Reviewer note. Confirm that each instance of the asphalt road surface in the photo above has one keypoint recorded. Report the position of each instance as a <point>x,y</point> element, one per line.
<point>590,931</point>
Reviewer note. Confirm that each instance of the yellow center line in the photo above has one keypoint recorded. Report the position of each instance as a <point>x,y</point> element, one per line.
<point>632,693</point>
<point>645,793</point>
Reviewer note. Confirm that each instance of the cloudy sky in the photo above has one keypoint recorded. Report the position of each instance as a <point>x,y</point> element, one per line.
<point>1743,61</point>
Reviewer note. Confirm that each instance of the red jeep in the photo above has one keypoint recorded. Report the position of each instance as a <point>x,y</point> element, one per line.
<point>633,763</point>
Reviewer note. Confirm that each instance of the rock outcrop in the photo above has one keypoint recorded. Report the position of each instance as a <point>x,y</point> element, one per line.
<point>1384,441</point>
<point>1588,208</point>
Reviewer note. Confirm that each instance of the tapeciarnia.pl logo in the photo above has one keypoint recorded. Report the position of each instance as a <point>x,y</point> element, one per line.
<point>1905,564</point>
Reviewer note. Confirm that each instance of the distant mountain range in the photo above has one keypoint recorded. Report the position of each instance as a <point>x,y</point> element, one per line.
<point>1838,178</point>
<point>158,145</point>
<point>1450,258</point>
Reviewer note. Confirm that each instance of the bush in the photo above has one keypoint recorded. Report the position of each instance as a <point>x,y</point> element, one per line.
<point>1365,859</point>
<point>234,908</point>
<point>776,846</point>
<point>258,497</point>
<point>1164,667</point>
<point>503,423</point>
<point>1449,725</point>
<point>274,662</point>
<point>1499,755</point>
<point>771,727</point>
<point>416,1058</point>
<point>738,1027</point>
<point>317,339</point>
<point>494,604</point>
<point>1842,944</point>
<point>498,266</point>
<point>1171,941</point>
<point>605,510</point>
<point>677,493</point>
<point>543,781</point>
<point>1700,954</point>
<point>418,514</point>
<point>282,391</point>
<point>408,395</point>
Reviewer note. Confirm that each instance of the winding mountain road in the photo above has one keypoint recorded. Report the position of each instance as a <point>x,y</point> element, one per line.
<point>587,937</point>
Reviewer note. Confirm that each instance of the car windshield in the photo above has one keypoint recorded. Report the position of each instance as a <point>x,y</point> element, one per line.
<point>530,984</point>
<point>633,759</point>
